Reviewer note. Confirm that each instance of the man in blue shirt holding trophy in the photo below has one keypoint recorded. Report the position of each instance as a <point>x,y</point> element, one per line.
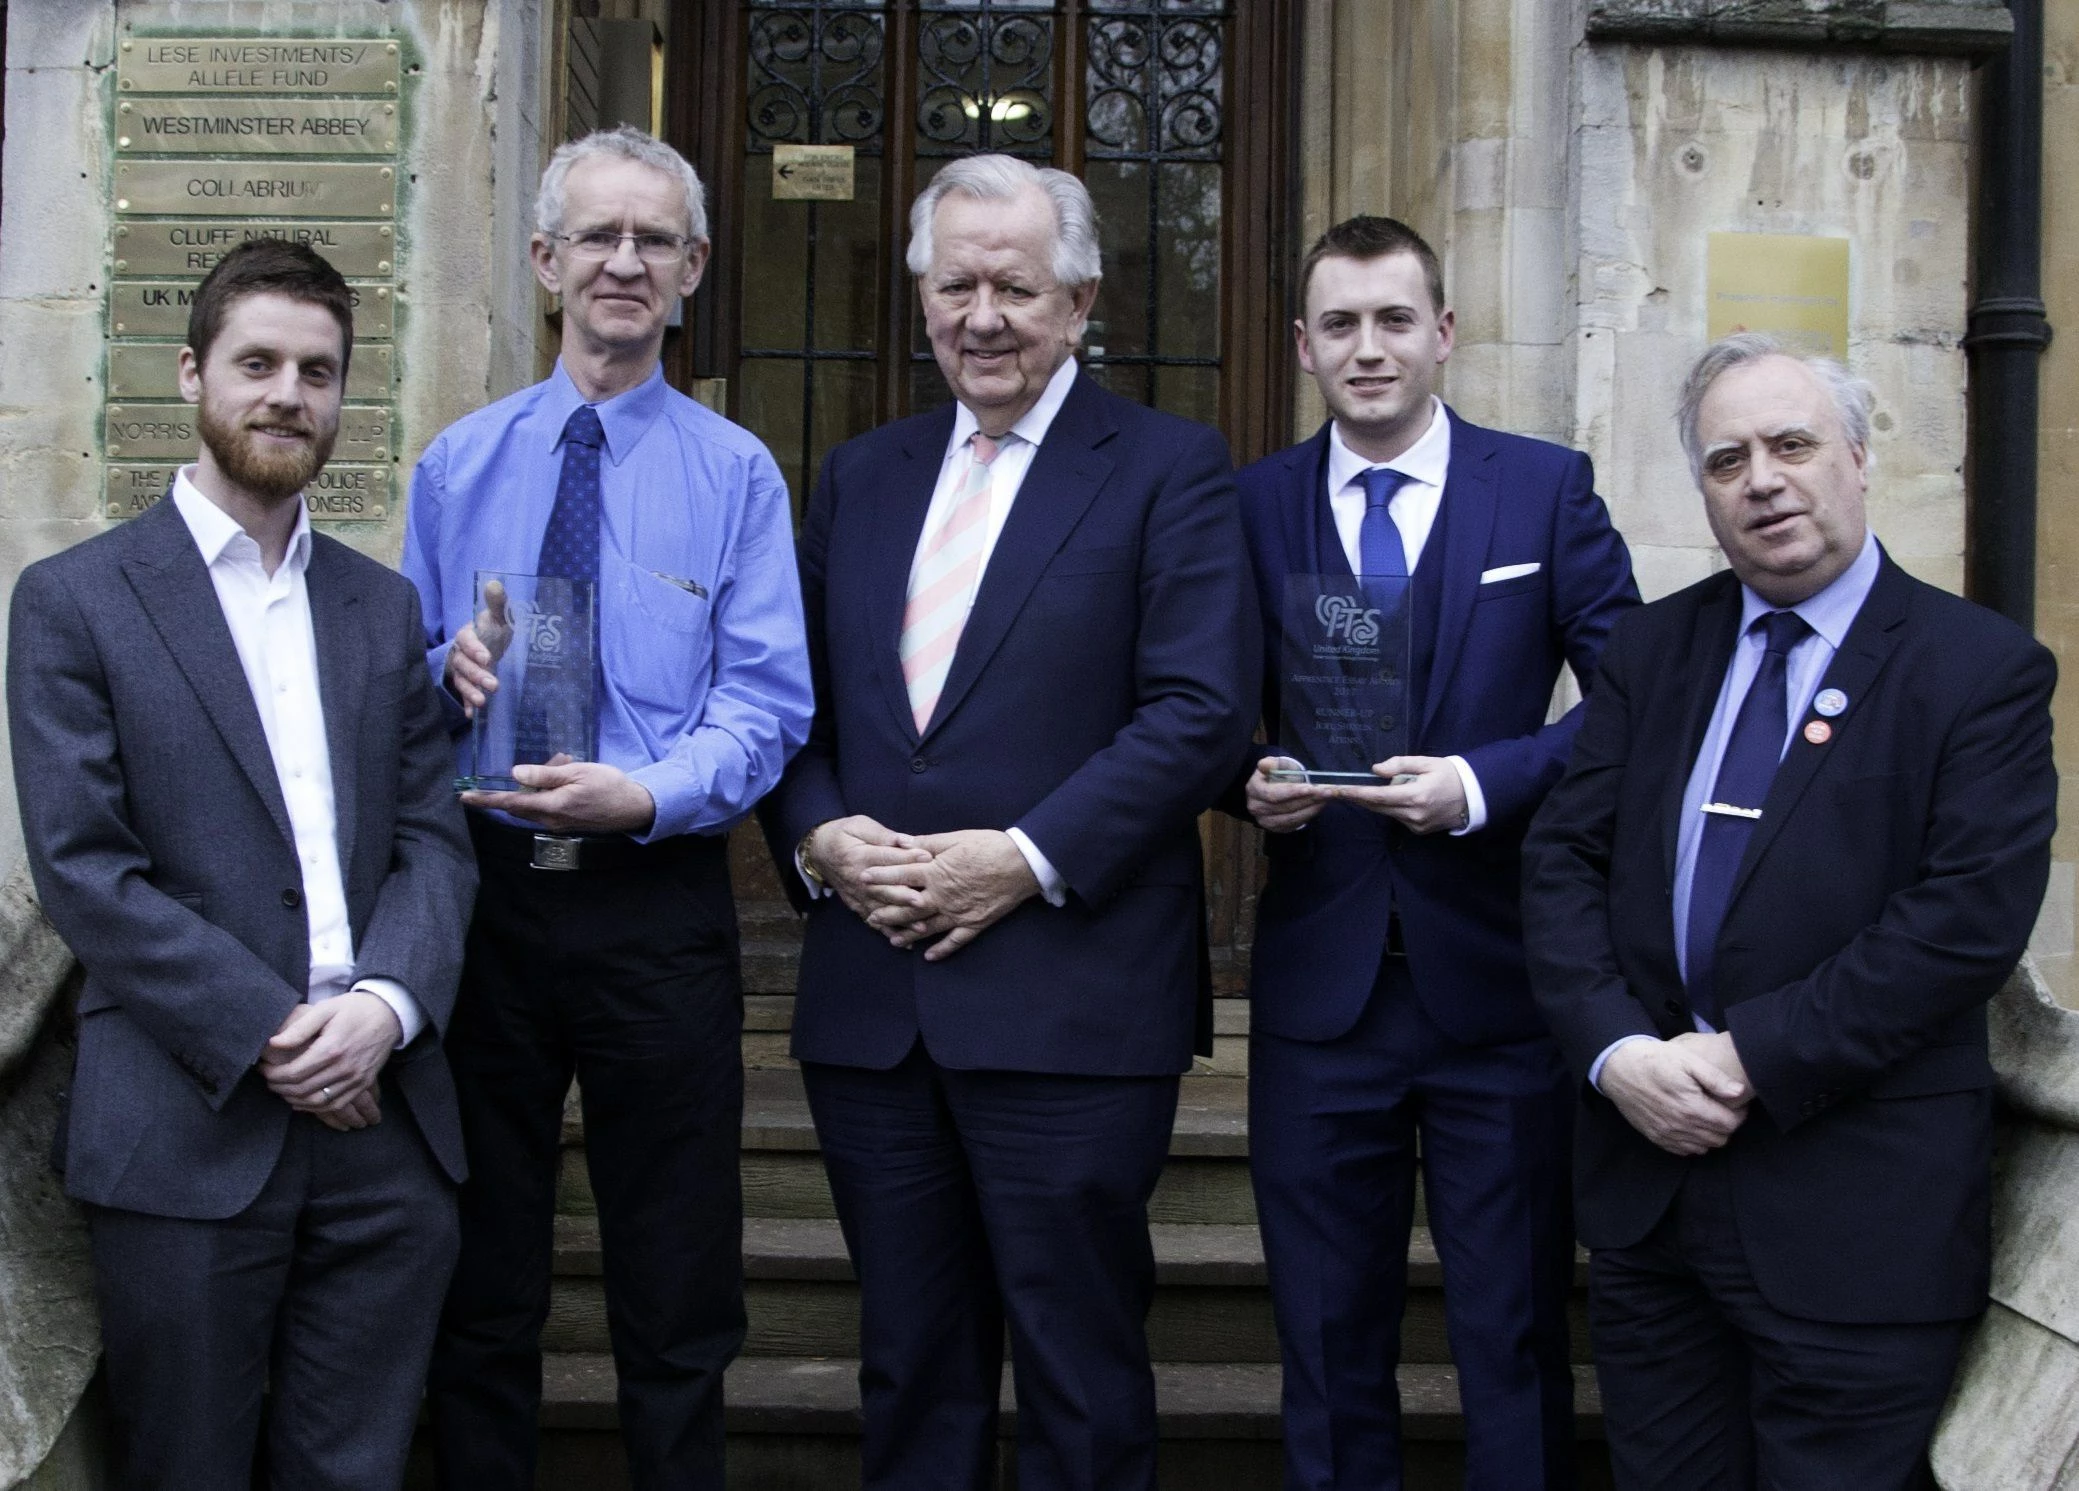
<point>604,944</point>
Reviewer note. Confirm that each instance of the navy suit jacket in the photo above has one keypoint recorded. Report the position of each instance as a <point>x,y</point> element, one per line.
<point>1888,890</point>
<point>1102,693</point>
<point>1321,922</point>
<point>163,854</point>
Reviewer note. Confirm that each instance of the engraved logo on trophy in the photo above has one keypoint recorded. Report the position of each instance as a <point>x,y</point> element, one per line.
<point>1344,677</point>
<point>542,634</point>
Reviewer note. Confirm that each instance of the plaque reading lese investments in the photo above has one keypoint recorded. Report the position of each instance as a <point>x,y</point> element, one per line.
<point>1343,684</point>
<point>542,631</point>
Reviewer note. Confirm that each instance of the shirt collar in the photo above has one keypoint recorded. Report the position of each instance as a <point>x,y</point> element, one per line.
<point>623,418</point>
<point>1032,426</point>
<point>215,530</point>
<point>1424,461</point>
<point>1833,610</point>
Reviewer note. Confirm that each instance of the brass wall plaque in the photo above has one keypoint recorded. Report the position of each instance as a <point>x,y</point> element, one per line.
<point>256,64</point>
<point>166,432</point>
<point>812,173</point>
<point>341,494</point>
<point>151,370</point>
<point>286,188</point>
<point>1791,286</point>
<point>284,126</point>
<point>159,308</point>
<point>357,250</point>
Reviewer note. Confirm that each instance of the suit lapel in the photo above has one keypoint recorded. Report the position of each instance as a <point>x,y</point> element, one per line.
<point>1870,640</point>
<point>1471,497</point>
<point>1309,519</point>
<point>1059,486</point>
<point>1717,631</point>
<point>173,586</point>
<point>900,509</point>
<point>342,647</point>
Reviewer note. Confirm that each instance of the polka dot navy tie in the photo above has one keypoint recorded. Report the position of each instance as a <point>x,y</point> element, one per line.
<point>570,547</point>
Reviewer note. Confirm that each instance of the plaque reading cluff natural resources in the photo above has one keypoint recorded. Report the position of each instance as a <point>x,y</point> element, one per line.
<point>222,139</point>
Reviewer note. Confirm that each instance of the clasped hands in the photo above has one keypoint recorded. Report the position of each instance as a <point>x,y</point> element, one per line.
<point>913,887</point>
<point>1687,1095</point>
<point>326,1058</point>
<point>1434,802</point>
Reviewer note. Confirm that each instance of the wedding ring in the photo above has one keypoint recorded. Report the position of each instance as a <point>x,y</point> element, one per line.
<point>327,1092</point>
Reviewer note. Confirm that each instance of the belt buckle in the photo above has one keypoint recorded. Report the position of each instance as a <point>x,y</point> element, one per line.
<point>556,852</point>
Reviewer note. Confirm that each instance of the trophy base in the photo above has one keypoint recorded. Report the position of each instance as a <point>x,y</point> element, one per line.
<point>1338,778</point>
<point>490,782</point>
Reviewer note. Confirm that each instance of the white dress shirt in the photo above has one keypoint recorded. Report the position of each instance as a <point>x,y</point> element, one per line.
<point>1426,464</point>
<point>269,618</point>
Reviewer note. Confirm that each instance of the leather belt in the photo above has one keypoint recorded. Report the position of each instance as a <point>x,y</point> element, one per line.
<point>571,853</point>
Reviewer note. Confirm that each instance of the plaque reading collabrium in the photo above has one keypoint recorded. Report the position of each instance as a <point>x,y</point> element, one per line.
<point>286,188</point>
<point>256,64</point>
<point>191,249</point>
<point>258,126</point>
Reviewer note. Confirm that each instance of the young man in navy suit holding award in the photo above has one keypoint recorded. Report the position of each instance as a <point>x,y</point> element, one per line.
<point>1389,998</point>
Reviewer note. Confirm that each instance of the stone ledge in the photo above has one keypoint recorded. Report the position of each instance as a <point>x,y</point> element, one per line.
<point>1937,27</point>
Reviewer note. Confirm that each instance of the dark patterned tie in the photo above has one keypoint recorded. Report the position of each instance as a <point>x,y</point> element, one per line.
<point>559,703</point>
<point>1744,775</point>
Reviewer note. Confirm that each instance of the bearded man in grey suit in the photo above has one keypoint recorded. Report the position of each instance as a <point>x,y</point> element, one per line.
<point>235,784</point>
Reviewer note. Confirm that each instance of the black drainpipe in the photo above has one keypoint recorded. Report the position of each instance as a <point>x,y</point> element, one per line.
<point>2008,328</point>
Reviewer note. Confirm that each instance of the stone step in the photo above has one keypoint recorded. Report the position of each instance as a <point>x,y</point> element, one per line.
<point>1206,1179</point>
<point>794,1426</point>
<point>1211,1299</point>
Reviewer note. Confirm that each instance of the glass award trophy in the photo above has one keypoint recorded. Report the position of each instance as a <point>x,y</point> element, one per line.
<point>543,634</point>
<point>1343,681</point>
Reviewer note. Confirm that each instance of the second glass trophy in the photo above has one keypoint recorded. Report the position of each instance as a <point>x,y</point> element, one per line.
<point>1343,677</point>
<point>542,631</point>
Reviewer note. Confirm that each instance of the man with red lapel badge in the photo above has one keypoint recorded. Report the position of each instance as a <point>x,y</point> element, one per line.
<point>1801,842</point>
<point>1389,1002</point>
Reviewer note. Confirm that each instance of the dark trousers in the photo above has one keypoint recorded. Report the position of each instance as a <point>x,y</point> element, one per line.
<point>969,1199</point>
<point>625,975</point>
<point>1706,1388</point>
<point>326,1287</point>
<point>1333,1134</point>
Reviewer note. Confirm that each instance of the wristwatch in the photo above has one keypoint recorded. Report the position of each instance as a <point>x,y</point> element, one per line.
<point>806,865</point>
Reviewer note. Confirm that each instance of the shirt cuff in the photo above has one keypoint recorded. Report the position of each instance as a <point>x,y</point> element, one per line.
<point>1052,886</point>
<point>410,1018</point>
<point>1475,799</point>
<point>1595,1072</point>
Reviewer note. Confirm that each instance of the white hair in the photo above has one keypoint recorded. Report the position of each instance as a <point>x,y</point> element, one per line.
<point>999,178</point>
<point>1853,397</point>
<point>623,142</point>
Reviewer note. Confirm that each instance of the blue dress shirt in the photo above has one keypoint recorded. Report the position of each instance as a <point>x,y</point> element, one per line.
<point>701,639</point>
<point>1829,613</point>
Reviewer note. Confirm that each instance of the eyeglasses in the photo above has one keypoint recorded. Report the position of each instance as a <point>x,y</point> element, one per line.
<point>604,243</point>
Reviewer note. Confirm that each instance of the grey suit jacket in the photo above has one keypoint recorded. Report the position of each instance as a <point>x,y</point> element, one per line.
<point>162,853</point>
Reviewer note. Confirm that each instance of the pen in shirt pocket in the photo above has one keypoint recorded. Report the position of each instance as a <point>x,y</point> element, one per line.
<point>691,587</point>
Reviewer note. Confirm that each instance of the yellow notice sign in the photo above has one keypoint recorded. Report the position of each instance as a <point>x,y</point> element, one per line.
<point>812,173</point>
<point>1795,288</point>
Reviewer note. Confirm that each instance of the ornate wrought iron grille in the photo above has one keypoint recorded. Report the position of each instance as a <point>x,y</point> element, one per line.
<point>815,76</point>
<point>985,78</point>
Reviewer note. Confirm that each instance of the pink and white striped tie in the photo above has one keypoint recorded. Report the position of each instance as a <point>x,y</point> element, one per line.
<point>943,584</point>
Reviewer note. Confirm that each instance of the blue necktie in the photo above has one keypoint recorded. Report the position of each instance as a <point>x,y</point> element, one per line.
<point>1379,549</point>
<point>557,705</point>
<point>1744,775</point>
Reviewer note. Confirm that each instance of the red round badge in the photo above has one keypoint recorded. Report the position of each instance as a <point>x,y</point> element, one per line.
<point>1819,732</point>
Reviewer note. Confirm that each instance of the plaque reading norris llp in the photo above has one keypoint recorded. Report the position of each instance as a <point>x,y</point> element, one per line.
<point>1343,682</point>
<point>259,126</point>
<point>541,633</point>
<point>256,64</point>
<point>356,250</point>
<point>168,432</point>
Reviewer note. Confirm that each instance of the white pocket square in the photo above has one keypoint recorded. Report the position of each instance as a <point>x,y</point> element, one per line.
<point>1507,572</point>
